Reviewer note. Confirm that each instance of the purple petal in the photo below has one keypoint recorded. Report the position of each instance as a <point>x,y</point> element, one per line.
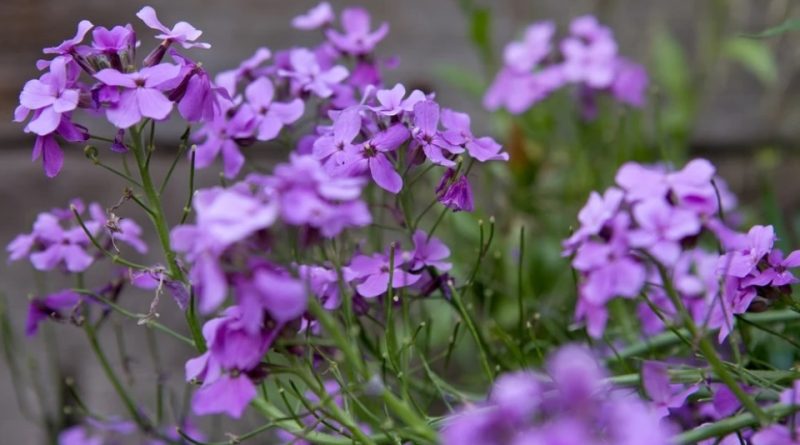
<point>153,103</point>
<point>112,77</point>
<point>228,395</point>
<point>426,116</point>
<point>148,16</point>
<point>384,174</point>
<point>374,285</point>
<point>45,121</point>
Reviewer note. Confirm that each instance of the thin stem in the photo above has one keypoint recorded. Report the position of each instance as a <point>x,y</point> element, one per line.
<point>115,258</point>
<point>731,424</point>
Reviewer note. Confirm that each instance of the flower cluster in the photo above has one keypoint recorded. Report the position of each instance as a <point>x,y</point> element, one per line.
<point>114,86</point>
<point>588,58</point>
<point>59,241</point>
<point>647,230</point>
<point>572,404</point>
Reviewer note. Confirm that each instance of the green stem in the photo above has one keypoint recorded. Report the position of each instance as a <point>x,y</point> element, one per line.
<point>707,349</point>
<point>731,424</point>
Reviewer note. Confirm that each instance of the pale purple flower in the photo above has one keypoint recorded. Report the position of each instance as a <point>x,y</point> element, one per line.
<point>691,186</point>
<point>271,116</point>
<point>393,101</point>
<point>630,83</point>
<point>599,209</point>
<point>228,394</point>
<point>752,249</point>
<point>140,95</point>
<point>78,435</point>
<point>197,97</point>
<point>776,273</point>
<point>371,156</point>
<point>591,63</point>
<point>181,33</point>
<point>662,228</point>
<point>317,17</point>
<point>323,283</point>
<point>307,74</point>
<point>517,92</point>
<point>776,435</point>
<point>524,55</point>
<point>357,38</point>
<point>372,274</point>
<point>429,251</point>
<point>427,135</point>
<point>49,97</point>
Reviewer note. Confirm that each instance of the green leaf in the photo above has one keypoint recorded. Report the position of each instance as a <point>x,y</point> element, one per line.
<point>465,80</point>
<point>753,55</point>
<point>671,74</point>
<point>786,26</point>
<point>480,31</point>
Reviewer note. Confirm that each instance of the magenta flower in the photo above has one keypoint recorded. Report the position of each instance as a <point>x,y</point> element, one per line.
<point>357,38</point>
<point>426,134</point>
<point>372,156</point>
<point>50,97</point>
<point>182,33</point>
<point>372,274</point>
<point>272,116</point>
<point>139,96</point>
<point>392,101</point>
<point>317,17</point>
<point>307,74</point>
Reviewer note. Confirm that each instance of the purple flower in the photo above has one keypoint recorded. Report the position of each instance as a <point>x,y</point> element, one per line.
<point>427,135</point>
<point>357,38</point>
<point>429,251</point>
<point>222,135</point>
<point>457,132</point>
<point>323,283</point>
<point>517,92</point>
<point>116,46</point>
<point>49,97</point>
<point>247,70</point>
<point>691,186</point>
<point>317,17</point>
<point>749,252</point>
<point>307,74</point>
<point>455,195</point>
<point>598,211</point>
<point>68,46</point>
<point>523,56</point>
<point>139,96</point>
<point>372,274</point>
<point>310,196</point>
<point>661,229</point>
<point>182,33</point>
<point>78,435</point>
<point>776,273</point>
<point>372,156</point>
<point>392,101</point>
<point>224,217</point>
<point>52,306</point>
<point>332,149</point>
<point>664,395</point>
<point>230,394</point>
<point>272,116</point>
<point>198,99</point>
<point>630,83</point>
<point>776,435</point>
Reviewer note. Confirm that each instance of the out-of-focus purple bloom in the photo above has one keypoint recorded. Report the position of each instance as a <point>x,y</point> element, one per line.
<point>657,386</point>
<point>317,17</point>
<point>247,70</point>
<point>591,62</point>
<point>455,195</point>
<point>661,229</point>
<point>157,279</point>
<point>140,95</point>
<point>524,55</point>
<point>776,435</point>
<point>630,83</point>
<point>372,274</point>
<point>307,74</point>
<point>271,116</point>
<point>777,272</point>
<point>50,307</point>
<point>323,283</point>
<point>691,186</point>
<point>182,33</point>
<point>78,435</point>
<point>311,196</point>
<point>224,217</point>
<point>357,38</point>
<point>753,248</point>
<point>429,252</point>
<point>198,99</point>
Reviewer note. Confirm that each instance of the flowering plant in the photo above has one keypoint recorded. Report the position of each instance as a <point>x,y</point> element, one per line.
<point>330,296</point>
